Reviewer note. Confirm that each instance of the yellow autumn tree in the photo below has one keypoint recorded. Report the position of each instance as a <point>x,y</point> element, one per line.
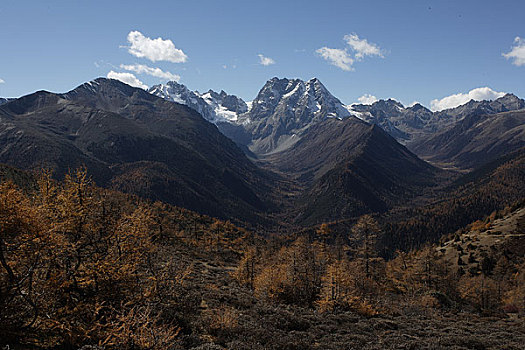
<point>75,263</point>
<point>293,275</point>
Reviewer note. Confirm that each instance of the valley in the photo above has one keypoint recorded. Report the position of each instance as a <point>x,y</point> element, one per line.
<point>262,175</point>
<point>225,223</point>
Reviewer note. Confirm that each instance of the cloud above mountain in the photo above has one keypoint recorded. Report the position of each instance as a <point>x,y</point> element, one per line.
<point>356,50</point>
<point>155,72</point>
<point>265,61</point>
<point>337,57</point>
<point>362,47</point>
<point>154,49</point>
<point>367,99</point>
<point>517,52</point>
<point>479,94</point>
<point>127,78</point>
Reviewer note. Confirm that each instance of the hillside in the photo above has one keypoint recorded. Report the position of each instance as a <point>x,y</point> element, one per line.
<point>187,281</point>
<point>472,196</point>
<point>475,140</point>
<point>133,141</point>
<point>415,124</point>
<point>478,248</point>
<point>348,168</point>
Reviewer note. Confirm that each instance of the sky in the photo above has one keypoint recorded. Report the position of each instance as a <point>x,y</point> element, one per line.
<point>436,52</point>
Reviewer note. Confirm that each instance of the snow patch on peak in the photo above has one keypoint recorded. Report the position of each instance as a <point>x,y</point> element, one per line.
<point>214,107</point>
<point>297,87</point>
<point>365,116</point>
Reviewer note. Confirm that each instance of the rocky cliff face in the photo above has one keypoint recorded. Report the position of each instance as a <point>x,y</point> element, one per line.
<point>284,109</point>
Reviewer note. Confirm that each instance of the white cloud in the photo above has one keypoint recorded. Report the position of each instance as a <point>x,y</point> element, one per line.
<point>367,99</point>
<point>517,53</point>
<point>156,72</point>
<point>2,81</point>
<point>343,59</point>
<point>127,78</point>
<point>362,47</point>
<point>265,61</point>
<point>154,49</point>
<point>479,94</point>
<point>337,57</point>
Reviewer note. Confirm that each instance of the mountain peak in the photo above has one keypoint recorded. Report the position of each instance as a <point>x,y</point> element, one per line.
<point>29,102</point>
<point>389,105</point>
<point>509,98</point>
<point>284,109</point>
<point>214,107</point>
<point>418,107</point>
<point>101,86</point>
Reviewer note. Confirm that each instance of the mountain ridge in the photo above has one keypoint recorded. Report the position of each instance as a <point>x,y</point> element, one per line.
<point>475,140</point>
<point>305,143</point>
<point>123,133</point>
<point>284,109</point>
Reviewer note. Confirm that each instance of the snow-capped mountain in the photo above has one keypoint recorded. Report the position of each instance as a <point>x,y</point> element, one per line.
<point>279,115</point>
<point>297,99</point>
<point>410,124</point>
<point>284,109</point>
<point>214,107</point>
<point>399,121</point>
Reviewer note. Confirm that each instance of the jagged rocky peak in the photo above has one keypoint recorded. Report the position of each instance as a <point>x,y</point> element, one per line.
<point>228,102</point>
<point>172,91</point>
<point>284,109</point>
<point>388,103</point>
<point>272,92</point>
<point>277,88</point>
<point>510,102</point>
<point>214,107</point>
<point>297,98</point>
<point>418,107</point>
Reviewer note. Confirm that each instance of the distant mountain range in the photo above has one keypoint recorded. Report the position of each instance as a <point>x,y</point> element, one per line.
<point>295,153</point>
<point>277,118</point>
<point>285,109</point>
<point>133,141</point>
<point>409,124</point>
<point>475,140</point>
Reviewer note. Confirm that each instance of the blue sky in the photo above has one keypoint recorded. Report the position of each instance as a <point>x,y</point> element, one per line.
<point>417,50</point>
